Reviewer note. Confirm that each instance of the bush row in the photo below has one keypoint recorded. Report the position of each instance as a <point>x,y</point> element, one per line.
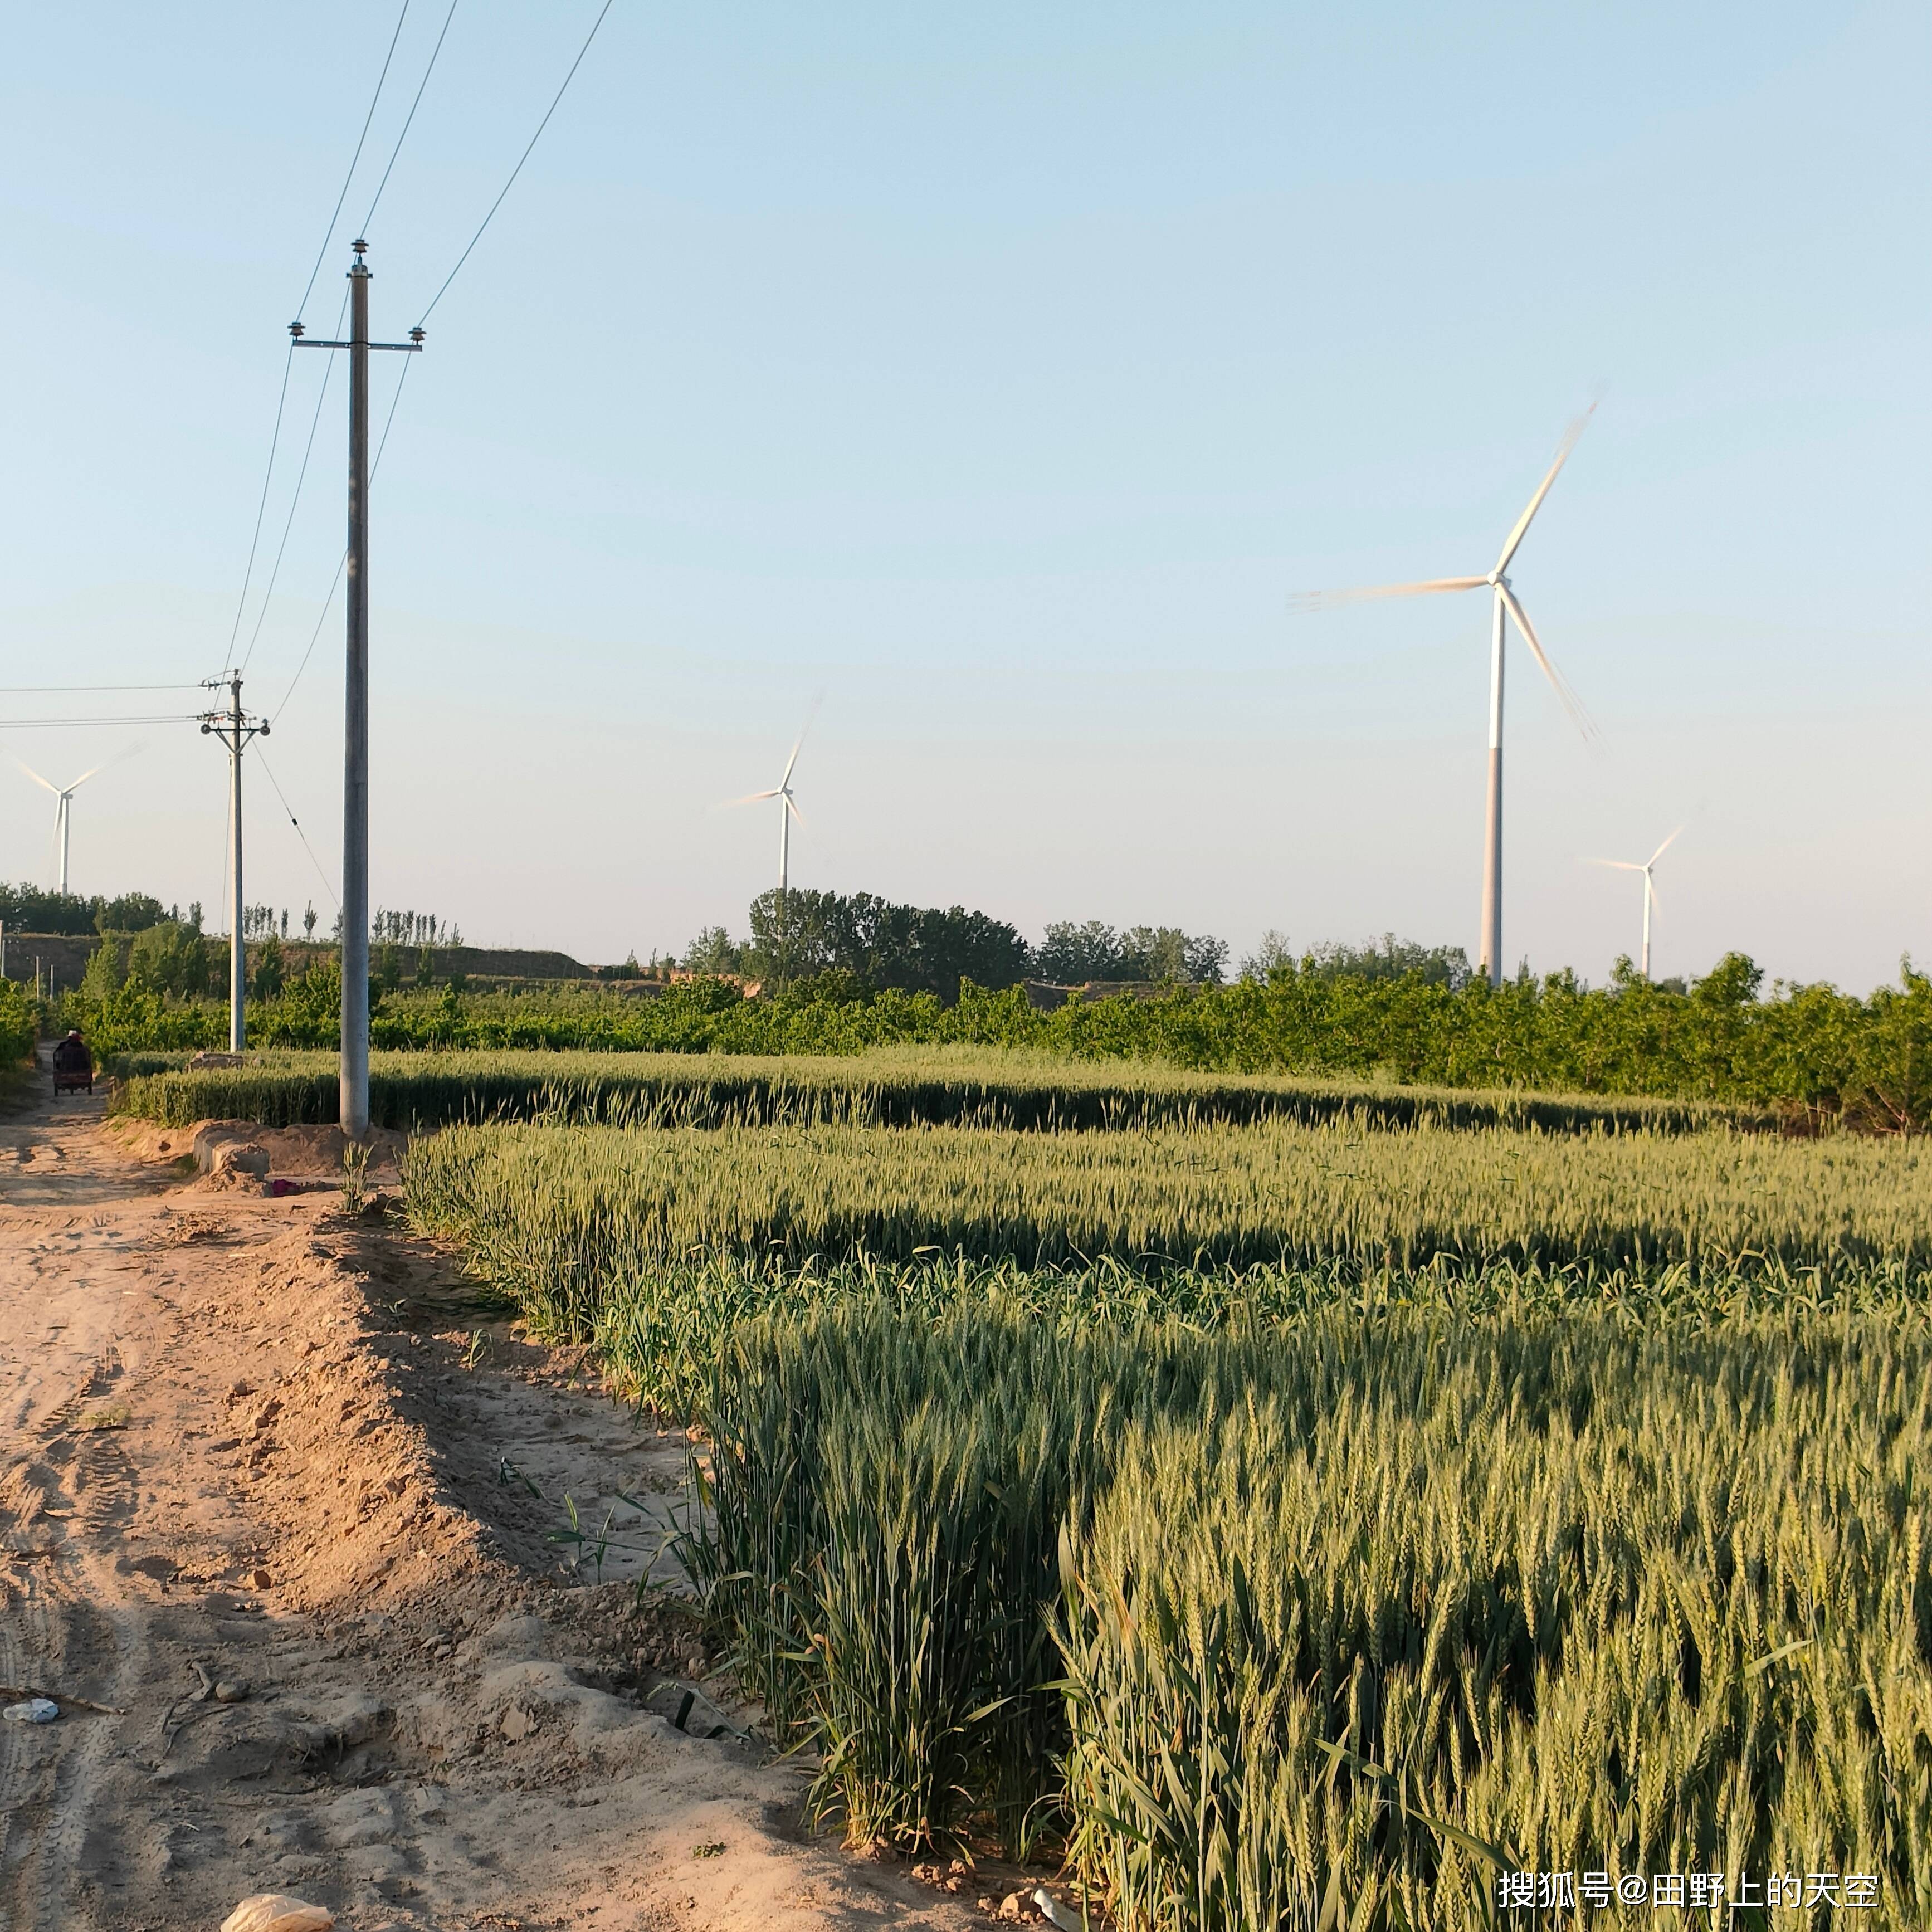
<point>1812,1051</point>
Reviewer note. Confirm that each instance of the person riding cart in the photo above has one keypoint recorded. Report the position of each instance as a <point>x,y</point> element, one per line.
<point>74,1065</point>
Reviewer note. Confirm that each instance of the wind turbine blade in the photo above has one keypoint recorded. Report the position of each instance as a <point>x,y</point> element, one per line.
<point>1621,865</point>
<point>803,730</point>
<point>753,797</point>
<point>1325,600</point>
<point>85,776</point>
<point>1659,853</point>
<point>1563,449</point>
<point>45,784</point>
<point>792,807</point>
<point>1572,703</point>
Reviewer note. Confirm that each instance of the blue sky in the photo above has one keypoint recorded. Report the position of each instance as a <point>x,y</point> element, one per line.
<point>1000,373</point>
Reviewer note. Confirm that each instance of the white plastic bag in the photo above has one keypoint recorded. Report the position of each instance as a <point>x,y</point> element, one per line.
<point>274,1912</point>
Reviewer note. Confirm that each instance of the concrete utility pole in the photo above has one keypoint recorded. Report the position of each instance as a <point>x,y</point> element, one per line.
<point>235,728</point>
<point>354,1103</point>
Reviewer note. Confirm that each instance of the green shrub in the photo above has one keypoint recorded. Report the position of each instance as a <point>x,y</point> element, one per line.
<point>137,1017</point>
<point>106,968</point>
<point>18,1024</point>
<point>271,969</point>
<point>170,958</point>
<point>308,1014</point>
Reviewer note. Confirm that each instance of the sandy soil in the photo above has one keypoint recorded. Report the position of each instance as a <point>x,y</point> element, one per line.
<point>276,1495</point>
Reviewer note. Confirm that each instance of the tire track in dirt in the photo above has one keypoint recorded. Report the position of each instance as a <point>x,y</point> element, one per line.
<point>62,1637</point>
<point>277,1488</point>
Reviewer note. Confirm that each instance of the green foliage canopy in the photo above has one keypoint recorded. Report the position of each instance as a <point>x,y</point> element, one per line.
<point>18,1024</point>
<point>170,958</point>
<point>29,908</point>
<point>1071,955</point>
<point>800,934</point>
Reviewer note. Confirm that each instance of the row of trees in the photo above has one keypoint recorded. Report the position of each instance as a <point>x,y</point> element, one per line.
<point>879,945</point>
<point>1388,958</point>
<point>26,908</point>
<point>799,935</point>
<point>1808,1050</point>
<point>263,922</point>
<point>170,957</point>
<point>386,927</point>
<point>410,929</point>
<point>1071,955</point>
<point>176,961</point>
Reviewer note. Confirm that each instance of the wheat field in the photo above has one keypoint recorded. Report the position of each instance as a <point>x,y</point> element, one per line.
<point>1333,1624</point>
<point>1285,1523</point>
<point>589,1203</point>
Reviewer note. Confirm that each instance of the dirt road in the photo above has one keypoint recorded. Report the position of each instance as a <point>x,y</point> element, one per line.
<point>275,1495</point>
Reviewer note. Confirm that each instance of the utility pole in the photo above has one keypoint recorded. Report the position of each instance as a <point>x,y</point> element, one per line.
<point>235,728</point>
<point>353,1107</point>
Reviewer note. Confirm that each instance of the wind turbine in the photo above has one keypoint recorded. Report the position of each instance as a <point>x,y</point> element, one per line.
<point>1504,601</point>
<point>63,812</point>
<point>788,811</point>
<point>1649,889</point>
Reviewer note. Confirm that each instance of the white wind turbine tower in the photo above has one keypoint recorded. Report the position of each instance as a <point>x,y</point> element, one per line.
<point>63,808</point>
<point>1649,889</point>
<point>788,810</point>
<point>1504,601</point>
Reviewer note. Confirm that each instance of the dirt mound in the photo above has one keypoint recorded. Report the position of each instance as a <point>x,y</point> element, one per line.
<point>312,1153</point>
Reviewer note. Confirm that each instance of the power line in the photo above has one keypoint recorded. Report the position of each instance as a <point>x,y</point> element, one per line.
<point>328,604</point>
<point>41,724</point>
<point>341,561</point>
<point>353,159</point>
<point>519,168</point>
<point>329,369</point>
<point>49,690</point>
<point>299,832</point>
<point>322,396</point>
<point>267,477</point>
<point>281,401</point>
<point>410,116</point>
